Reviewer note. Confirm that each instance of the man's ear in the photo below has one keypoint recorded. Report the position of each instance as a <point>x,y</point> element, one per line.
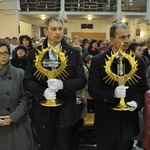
<point>112,39</point>
<point>45,31</point>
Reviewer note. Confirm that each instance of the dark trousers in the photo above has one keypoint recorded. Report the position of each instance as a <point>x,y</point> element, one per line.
<point>53,136</point>
<point>76,134</point>
<point>107,143</point>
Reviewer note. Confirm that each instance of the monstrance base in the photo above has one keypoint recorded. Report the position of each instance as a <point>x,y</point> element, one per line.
<point>123,108</point>
<point>51,103</point>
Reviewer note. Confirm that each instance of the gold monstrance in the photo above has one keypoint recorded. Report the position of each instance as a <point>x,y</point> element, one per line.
<point>51,74</point>
<point>121,79</point>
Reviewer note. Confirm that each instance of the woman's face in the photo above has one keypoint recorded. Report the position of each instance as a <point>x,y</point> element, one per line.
<point>94,45</point>
<point>86,46</point>
<point>20,53</point>
<point>138,51</point>
<point>88,64</point>
<point>4,56</point>
<point>25,42</point>
<point>76,42</point>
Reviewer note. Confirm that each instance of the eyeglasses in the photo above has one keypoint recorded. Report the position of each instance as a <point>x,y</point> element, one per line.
<point>4,54</point>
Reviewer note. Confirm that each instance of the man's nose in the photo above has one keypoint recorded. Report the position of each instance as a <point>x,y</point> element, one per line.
<point>57,31</point>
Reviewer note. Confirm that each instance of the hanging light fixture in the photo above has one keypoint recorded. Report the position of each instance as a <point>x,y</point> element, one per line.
<point>123,20</point>
<point>43,17</point>
<point>89,17</point>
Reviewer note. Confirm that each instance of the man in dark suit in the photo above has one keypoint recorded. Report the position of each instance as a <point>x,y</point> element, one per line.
<point>54,124</point>
<point>115,128</point>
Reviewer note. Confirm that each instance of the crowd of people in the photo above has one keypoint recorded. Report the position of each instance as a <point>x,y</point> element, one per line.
<point>26,124</point>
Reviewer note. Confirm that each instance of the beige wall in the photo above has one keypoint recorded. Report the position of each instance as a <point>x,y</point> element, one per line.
<point>98,26</point>
<point>9,18</point>
<point>9,25</point>
<point>25,28</point>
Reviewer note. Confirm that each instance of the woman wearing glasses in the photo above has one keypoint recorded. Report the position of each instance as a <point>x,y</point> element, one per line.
<point>15,132</point>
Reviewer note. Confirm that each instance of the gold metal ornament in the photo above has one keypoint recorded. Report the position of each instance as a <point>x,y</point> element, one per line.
<point>131,77</point>
<point>51,74</point>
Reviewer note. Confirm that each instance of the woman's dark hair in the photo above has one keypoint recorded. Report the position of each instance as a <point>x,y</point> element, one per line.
<point>21,46</point>
<point>27,38</point>
<point>84,40</point>
<point>133,46</point>
<point>83,44</point>
<point>5,44</point>
<point>93,41</point>
<point>88,58</point>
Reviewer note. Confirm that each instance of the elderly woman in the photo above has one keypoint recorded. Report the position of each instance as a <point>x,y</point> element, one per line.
<point>15,131</point>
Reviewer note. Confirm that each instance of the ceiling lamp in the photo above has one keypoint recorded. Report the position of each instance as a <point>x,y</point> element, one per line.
<point>89,17</point>
<point>123,20</point>
<point>43,17</point>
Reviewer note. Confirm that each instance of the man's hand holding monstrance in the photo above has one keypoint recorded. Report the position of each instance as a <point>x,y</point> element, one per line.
<point>122,78</point>
<point>57,70</point>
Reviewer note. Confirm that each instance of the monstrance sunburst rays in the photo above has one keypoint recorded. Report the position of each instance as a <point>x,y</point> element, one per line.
<point>59,72</point>
<point>131,77</point>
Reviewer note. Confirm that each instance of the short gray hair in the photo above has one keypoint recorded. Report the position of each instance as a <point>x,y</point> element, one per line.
<point>114,27</point>
<point>53,18</point>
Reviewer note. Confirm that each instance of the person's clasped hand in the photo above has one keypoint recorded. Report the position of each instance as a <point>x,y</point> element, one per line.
<point>5,120</point>
<point>120,91</point>
<point>55,84</point>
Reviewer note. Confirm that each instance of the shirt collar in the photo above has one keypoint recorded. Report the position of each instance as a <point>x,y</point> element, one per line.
<point>57,46</point>
<point>149,51</point>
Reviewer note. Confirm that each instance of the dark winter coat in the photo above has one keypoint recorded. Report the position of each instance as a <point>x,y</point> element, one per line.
<point>115,124</point>
<point>75,81</point>
<point>145,53</point>
<point>19,63</point>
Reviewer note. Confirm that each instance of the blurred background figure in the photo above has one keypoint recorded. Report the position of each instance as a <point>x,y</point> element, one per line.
<point>88,60</point>
<point>67,39</point>
<point>104,48</point>
<point>146,51</point>
<point>40,42</point>
<point>12,47</point>
<point>77,40</point>
<point>27,42</point>
<point>93,48</point>
<point>85,47</point>
<point>19,58</point>
<point>136,49</point>
<point>15,41</point>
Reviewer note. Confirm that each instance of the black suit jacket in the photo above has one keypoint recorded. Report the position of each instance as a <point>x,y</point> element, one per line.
<point>119,124</point>
<point>145,53</point>
<point>75,80</point>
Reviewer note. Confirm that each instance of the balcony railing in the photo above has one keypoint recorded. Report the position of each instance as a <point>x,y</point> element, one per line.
<point>40,5</point>
<point>81,5</point>
<point>133,6</point>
